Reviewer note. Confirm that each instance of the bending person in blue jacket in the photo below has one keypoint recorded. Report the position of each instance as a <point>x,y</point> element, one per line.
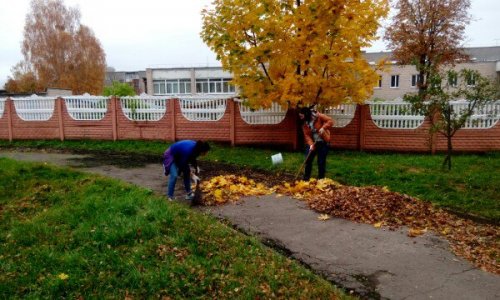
<point>177,160</point>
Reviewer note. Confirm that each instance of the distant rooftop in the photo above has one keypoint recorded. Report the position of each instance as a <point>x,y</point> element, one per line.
<point>476,54</point>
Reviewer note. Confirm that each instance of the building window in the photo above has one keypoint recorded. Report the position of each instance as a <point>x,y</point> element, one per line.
<point>471,80</point>
<point>415,78</point>
<point>379,84</point>
<point>159,87</point>
<point>452,79</point>
<point>394,81</point>
<point>184,86</point>
<point>227,87</point>
<point>172,86</point>
<point>202,86</point>
<point>214,86</point>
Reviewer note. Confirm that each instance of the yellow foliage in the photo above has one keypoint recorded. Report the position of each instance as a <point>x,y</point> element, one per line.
<point>286,53</point>
<point>230,188</point>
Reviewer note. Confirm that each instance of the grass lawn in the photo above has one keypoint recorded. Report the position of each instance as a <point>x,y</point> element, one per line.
<point>471,187</point>
<point>66,234</point>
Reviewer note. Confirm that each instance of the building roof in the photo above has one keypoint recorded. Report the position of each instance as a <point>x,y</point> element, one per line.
<point>478,54</point>
<point>484,53</point>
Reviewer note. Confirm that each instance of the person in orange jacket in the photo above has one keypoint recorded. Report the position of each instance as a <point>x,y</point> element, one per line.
<point>316,128</point>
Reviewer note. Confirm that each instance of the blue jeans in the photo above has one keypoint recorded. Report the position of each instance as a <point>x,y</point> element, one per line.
<point>172,180</point>
<point>321,149</point>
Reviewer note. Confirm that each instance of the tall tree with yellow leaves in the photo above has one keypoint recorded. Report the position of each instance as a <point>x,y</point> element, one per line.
<point>295,51</point>
<point>62,52</point>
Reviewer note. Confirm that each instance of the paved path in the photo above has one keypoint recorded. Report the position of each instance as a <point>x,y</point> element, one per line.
<point>376,263</point>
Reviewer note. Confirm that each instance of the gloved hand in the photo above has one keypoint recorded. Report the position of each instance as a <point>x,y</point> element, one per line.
<point>195,178</point>
<point>194,171</point>
<point>321,131</point>
<point>311,147</point>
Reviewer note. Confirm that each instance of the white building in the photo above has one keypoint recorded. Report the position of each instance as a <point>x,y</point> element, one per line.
<point>181,81</point>
<point>396,81</point>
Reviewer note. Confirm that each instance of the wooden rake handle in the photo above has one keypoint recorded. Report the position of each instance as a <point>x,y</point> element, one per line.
<point>303,164</point>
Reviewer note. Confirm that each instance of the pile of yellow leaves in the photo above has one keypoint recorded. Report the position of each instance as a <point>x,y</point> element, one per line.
<point>230,188</point>
<point>476,242</point>
<point>306,189</point>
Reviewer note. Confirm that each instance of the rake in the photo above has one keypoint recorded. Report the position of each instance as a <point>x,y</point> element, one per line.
<point>303,164</point>
<point>198,194</point>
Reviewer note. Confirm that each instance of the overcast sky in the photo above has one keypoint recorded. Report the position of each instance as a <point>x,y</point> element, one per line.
<point>136,35</point>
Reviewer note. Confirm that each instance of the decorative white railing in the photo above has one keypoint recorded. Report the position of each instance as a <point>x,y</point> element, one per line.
<point>144,107</point>
<point>273,115</point>
<point>204,108</point>
<point>86,107</point>
<point>2,106</point>
<point>395,114</point>
<point>482,118</point>
<point>34,108</point>
<point>341,114</point>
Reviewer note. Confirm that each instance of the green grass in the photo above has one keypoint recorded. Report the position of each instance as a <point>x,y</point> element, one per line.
<point>112,239</point>
<point>471,187</point>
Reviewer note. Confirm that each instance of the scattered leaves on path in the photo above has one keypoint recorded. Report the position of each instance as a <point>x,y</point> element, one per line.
<point>479,243</point>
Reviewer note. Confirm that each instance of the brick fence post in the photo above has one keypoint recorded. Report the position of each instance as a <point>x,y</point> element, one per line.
<point>9,103</point>
<point>433,135</point>
<point>232,121</point>
<point>363,109</point>
<point>114,122</point>
<point>60,117</point>
<point>296,130</point>
<point>171,103</point>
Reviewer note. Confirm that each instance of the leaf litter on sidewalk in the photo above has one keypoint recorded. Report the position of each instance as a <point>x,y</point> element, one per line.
<point>478,243</point>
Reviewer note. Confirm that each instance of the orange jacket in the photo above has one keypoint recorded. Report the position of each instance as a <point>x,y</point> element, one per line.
<point>322,121</point>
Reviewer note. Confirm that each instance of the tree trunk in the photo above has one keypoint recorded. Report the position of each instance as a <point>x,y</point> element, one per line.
<point>449,136</point>
<point>447,159</point>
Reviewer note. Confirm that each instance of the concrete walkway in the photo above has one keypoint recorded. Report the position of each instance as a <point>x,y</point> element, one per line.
<point>375,263</point>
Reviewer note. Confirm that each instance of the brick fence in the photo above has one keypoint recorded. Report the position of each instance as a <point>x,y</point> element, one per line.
<point>360,134</point>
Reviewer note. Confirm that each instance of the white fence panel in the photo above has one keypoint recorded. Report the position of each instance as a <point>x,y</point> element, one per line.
<point>34,108</point>
<point>2,106</point>
<point>395,114</point>
<point>482,118</point>
<point>86,107</point>
<point>203,108</point>
<point>341,114</point>
<point>273,115</point>
<point>144,108</point>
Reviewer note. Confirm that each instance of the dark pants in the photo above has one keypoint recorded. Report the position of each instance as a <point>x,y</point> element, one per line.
<point>320,149</point>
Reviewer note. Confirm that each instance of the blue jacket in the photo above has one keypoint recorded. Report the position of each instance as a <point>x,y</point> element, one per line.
<point>182,153</point>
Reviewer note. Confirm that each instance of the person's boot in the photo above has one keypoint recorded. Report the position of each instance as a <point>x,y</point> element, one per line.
<point>190,196</point>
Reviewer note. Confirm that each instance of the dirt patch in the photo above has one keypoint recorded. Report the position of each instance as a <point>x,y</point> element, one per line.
<point>270,179</point>
<point>208,169</point>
